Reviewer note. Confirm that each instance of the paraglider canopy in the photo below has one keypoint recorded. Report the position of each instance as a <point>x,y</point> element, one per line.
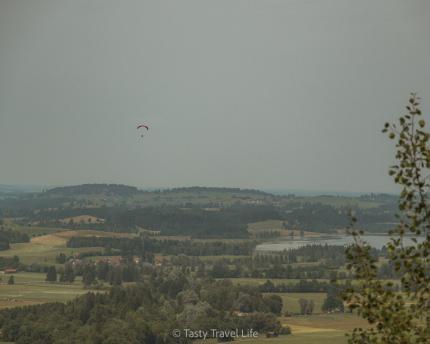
<point>142,126</point>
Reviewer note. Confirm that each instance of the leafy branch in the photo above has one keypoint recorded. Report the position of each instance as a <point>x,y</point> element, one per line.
<point>399,317</point>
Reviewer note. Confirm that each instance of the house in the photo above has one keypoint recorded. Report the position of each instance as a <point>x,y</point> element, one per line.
<point>115,260</point>
<point>75,261</point>
<point>10,271</point>
<point>159,261</point>
<point>240,314</point>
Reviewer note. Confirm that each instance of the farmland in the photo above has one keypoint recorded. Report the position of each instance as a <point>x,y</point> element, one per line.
<point>326,329</point>
<point>291,301</point>
<point>31,288</point>
<point>43,249</point>
<point>123,240</point>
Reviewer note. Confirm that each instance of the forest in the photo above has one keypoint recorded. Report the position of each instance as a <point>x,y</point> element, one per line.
<point>196,211</point>
<point>145,313</point>
<point>141,245</point>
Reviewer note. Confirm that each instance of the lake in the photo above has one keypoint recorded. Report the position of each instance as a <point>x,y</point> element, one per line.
<point>377,241</point>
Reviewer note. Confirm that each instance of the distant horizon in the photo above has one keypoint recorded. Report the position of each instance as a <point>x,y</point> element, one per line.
<point>281,191</point>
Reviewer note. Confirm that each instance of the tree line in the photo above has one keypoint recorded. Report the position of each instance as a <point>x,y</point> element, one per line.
<point>9,236</point>
<point>142,245</point>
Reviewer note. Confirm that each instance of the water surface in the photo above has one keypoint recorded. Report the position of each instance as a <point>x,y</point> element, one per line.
<point>376,241</point>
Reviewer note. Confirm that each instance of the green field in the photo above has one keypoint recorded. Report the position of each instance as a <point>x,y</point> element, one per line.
<point>291,301</point>
<point>28,277</point>
<point>43,249</point>
<point>315,329</point>
<point>320,328</point>
<point>31,288</point>
<point>30,253</point>
<point>322,337</point>
<point>32,230</point>
<point>343,322</point>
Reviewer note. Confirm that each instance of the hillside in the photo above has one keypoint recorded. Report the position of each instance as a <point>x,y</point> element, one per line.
<point>94,189</point>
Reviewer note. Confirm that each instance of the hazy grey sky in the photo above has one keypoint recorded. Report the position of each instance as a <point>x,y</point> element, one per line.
<point>261,94</point>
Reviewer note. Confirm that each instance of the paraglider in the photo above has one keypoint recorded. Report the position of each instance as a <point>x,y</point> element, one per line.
<point>142,126</point>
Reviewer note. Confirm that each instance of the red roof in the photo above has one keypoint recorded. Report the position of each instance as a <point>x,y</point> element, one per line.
<point>9,271</point>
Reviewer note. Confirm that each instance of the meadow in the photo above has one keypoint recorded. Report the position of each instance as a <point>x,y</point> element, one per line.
<point>43,249</point>
<point>291,301</point>
<point>31,288</point>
